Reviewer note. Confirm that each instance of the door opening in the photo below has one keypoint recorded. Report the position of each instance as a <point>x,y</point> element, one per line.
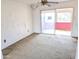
<point>63,23</point>
<point>48,21</point>
<point>57,21</point>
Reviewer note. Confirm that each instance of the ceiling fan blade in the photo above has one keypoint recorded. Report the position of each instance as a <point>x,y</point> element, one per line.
<point>53,2</point>
<point>44,0</point>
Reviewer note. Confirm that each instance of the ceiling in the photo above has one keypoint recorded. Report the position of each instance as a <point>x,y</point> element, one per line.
<point>35,1</point>
<point>57,0</point>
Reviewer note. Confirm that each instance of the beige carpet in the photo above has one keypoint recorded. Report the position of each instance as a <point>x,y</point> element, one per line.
<point>41,46</point>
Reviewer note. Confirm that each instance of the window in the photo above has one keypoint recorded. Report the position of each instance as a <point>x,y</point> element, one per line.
<point>57,21</point>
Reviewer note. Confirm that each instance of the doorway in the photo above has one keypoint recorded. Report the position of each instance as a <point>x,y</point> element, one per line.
<point>57,21</point>
<point>48,21</point>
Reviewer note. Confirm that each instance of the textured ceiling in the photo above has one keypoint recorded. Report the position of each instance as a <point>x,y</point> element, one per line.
<point>35,1</point>
<point>28,1</point>
<point>57,0</point>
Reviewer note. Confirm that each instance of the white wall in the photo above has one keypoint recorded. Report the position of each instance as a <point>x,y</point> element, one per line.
<point>71,4</point>
<point>16,21</point>
<point>1,55</point>
<point>76,57</point>
<point>36,21</point>
<point>75,21</point>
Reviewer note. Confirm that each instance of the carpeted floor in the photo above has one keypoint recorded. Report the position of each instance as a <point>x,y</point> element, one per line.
<point>43,46</point>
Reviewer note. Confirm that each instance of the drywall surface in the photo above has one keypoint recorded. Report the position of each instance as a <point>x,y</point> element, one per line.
<point>75,21</point>
<point>76,57</point>
<point>16,22</point>
<point>1,55</point>
<point>36,21</point>
<point>70,4</point>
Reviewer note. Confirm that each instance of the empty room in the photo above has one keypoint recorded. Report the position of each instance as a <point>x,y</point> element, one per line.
<point>39,29</point>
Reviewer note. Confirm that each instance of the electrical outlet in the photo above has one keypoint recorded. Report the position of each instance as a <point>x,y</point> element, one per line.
<point>4,41</point>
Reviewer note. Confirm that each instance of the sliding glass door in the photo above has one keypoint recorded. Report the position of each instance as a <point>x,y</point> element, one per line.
<point>48,21</point>
<point>63,23</point>
<point>57,21</point>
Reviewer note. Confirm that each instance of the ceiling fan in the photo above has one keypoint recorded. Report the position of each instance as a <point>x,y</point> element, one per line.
<point>43,3</point>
